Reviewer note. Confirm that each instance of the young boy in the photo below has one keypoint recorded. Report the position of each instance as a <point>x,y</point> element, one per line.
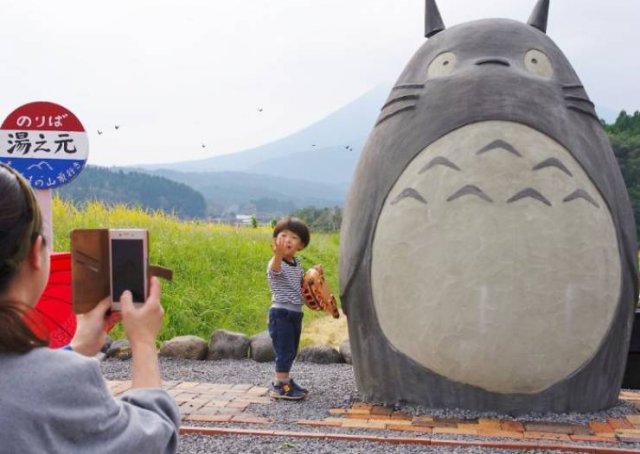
<point>285,275</point>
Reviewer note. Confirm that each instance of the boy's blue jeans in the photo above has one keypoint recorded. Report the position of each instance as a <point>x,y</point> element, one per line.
<point>285,328</point>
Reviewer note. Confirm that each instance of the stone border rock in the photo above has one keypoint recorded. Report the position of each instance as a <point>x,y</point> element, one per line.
<point>225,344</point>
<point>188,347</point>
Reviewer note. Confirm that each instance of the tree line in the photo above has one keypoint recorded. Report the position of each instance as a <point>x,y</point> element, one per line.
<point>624,135</point>
<point>320,219</point>
<point>134,189</point>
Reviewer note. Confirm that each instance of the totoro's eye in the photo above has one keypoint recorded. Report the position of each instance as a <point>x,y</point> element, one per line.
<point>442,65</point>
<point>538,63</point>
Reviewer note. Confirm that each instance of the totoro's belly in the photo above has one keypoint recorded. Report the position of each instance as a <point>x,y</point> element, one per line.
<point>495,260</point>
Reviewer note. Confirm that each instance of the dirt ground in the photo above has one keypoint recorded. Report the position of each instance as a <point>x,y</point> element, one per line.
<point>325,330</point>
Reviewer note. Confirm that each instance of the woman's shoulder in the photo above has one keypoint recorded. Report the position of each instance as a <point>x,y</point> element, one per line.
<point>55,379</point>
<point>50,364</point>
<point>60,355</point>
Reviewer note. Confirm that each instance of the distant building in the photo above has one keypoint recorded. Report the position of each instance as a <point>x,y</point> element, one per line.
<point>243,219</point>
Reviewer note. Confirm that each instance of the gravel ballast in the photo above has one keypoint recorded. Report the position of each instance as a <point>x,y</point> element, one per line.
<point>330,386</point>
<point>198,444</point>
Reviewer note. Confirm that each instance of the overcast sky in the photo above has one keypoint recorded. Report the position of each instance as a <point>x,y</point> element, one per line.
<point>175,75</point>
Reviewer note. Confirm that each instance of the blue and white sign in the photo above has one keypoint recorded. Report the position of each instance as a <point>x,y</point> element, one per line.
<point>45,142</point>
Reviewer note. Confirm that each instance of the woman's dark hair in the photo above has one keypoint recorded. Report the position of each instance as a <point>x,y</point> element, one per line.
<point>295,225</point>
<point>20,226</point>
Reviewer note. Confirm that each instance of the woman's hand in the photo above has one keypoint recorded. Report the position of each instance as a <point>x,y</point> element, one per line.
<point>91,328</point>
<point>142,324</point>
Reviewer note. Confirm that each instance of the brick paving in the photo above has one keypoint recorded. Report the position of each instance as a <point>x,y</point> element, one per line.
<point>229,404</point>
<point>211,402</point>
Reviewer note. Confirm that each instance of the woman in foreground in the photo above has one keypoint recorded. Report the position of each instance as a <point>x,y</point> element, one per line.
<point>57,400</point>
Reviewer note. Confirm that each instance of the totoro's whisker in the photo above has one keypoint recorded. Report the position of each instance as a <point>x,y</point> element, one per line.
<point>411,193</point>
<point>470,189</point>
<point>530,193</point>
<point>572,86</point>
<point>552,162</point>
<point>581,194</point>
<point>579,99</point>
<point>499,144</point>
<point>585,111</point>
<point>439,161</point>
<point>408,86</point>
<point>400,99</point>
<point>394,113</point>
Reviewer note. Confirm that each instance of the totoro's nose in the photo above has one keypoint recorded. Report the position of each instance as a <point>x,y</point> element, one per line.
<point>493,61</point>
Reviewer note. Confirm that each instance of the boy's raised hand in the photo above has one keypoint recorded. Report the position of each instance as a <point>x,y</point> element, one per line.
<point>279,251</point>
<point>279,247</point>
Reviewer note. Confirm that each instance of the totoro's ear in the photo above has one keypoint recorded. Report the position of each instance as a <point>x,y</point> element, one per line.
<point>433,20</point>
<point>538,18</point>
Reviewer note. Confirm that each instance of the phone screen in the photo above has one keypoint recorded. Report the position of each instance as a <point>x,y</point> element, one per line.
<point>127,268</point>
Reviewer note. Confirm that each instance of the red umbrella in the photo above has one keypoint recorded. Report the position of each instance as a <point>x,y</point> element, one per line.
<point>54,305</point>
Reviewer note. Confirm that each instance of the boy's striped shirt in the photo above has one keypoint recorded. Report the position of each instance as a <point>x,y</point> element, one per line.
<point>286,285</point>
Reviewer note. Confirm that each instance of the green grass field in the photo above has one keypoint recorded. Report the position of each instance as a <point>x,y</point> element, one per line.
<point>219,270</point>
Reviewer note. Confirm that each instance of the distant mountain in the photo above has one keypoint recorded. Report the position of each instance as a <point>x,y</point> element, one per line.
<point>135,189</point>
<point>325,151</point>
<point>326,165</point>
<point>260,194</point>
<point>312,167</point>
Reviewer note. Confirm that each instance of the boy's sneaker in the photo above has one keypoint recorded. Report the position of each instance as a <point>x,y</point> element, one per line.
<point>296,386</point>
<point>286,391</point>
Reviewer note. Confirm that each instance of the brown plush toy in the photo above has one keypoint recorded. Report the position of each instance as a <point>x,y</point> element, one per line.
<point>316,291</point>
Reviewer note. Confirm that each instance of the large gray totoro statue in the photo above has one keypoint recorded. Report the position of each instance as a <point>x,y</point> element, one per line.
<point>488,249</point>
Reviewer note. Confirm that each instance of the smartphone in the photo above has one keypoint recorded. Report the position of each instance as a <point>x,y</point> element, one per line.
<point>129,264</point>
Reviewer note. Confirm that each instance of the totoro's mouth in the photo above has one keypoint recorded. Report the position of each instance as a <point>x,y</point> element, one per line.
<point>493,61</point>
<point>495,254</point>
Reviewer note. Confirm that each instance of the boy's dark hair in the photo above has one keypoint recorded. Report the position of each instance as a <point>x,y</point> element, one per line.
<point>296,225</point>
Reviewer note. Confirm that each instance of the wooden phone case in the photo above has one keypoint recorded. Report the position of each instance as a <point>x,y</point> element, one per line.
<point>90,268</point>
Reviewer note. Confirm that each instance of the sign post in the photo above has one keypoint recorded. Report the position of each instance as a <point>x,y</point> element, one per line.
<point>48,145</point>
